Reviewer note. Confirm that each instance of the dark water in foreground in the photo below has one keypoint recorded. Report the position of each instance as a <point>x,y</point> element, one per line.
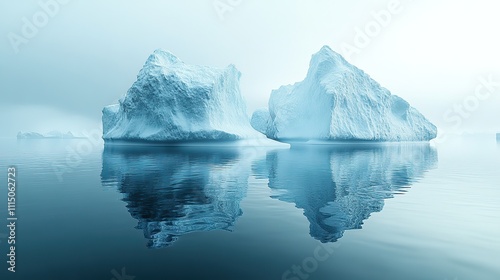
<point>393,211</point>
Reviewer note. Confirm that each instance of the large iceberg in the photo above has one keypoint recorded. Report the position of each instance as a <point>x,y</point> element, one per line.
<point>175,102</point>
<point>337,101</point>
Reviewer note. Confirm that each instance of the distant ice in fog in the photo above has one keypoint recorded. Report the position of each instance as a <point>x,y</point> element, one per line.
<point>50,135</point>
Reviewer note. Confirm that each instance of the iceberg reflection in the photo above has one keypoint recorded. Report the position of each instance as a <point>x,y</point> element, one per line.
<point>175,191</point>
<point>339,186</point>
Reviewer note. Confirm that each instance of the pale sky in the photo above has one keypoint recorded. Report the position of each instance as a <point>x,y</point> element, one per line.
<point>438,55</point>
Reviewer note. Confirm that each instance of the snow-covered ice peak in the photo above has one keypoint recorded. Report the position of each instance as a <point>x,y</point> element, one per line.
<point>325,61</point>
<point>162,57</point>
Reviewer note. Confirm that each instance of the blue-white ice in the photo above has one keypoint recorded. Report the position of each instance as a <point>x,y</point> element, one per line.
<point>172,101</point>
<point>337,101</point>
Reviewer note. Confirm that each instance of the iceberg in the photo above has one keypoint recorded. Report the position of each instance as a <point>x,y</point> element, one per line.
<point>173,102</point>
<point>29,135</point>
<point>339,102</point>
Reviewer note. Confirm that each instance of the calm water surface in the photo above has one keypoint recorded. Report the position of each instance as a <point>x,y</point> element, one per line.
<point>359,211</point>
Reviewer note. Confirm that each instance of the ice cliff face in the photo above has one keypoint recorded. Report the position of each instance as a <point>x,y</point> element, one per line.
<point>261,120</point>
<point>175,102</point>
<point>337,101</point>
